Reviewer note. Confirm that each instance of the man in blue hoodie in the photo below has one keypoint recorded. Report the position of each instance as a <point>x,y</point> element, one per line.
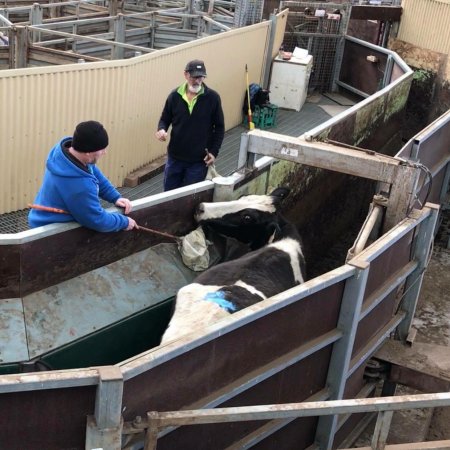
<point>73,185</point>
<point>195,113</point>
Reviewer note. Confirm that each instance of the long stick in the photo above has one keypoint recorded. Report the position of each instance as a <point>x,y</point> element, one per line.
<point>48,209</point>
<point>161,233</point>
<point>251,125</point>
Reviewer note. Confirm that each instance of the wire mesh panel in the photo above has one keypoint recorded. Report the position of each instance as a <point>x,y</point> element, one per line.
<point>248,12</point>
<point>318,27</point>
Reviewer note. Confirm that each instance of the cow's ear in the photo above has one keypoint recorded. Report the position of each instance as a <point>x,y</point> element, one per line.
<point>280,193</point>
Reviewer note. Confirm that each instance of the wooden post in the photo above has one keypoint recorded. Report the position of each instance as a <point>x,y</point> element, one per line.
<point>113,7</point>
<point>19,46</point>
<point>402,194</point>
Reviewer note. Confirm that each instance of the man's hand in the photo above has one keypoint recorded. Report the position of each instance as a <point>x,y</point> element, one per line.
<point>161,135</point>
<point>209,158</point>
<point>131,224</point>
<point>125,204</point>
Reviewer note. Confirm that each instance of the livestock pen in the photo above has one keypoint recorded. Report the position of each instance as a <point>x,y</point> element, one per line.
<point>306,344</point>
<point>90,308</point>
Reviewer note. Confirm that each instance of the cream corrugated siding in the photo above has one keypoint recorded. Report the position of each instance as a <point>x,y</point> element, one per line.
<point>426,24</point>
<point>42,105</point>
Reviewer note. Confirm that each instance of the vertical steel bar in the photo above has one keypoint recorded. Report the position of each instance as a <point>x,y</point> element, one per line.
<point>422,246</point>
<point>268,52</point>
<point>342,349</point>
<point>243,153</point>
<point>36,15</point>
<point>118,52</point>
<point>104,429</point>
<point>345,18</point>
<point>443,198</point>
<point>108,402</point>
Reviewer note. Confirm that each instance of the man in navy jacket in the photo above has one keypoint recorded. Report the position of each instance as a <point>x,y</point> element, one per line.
<point>195,113</point>
<point>73,184</point>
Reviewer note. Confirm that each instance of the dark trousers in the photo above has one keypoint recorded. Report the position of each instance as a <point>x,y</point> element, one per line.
<point>181,173</point>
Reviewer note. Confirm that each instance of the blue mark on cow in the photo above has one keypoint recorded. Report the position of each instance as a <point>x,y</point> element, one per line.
<point>218,297</point>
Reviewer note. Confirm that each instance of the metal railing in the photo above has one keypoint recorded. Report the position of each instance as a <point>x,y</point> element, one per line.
<point>384,406</point>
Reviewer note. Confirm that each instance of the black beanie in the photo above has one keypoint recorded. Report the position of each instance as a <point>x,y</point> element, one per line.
<point>89,137</point>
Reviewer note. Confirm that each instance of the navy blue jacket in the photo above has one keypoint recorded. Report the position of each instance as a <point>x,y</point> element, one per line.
<point>192,133</point>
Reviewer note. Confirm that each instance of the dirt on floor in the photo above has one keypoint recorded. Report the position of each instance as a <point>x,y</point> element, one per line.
<point>432,319</point>
<point>432,322</point>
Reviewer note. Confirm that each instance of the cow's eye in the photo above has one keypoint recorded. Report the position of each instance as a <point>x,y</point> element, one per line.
<point>247,218</point>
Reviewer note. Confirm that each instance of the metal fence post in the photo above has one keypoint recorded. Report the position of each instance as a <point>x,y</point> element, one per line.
<point>246,160</point>
<point>268,56</point>
<point>104,428</point>
<point>118,52</point>
<point>342,349</point>
<point>36,16</point>
<point>421,251</point>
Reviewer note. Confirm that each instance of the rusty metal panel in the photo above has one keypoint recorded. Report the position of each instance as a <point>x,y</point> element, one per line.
<point>50,412</point>
<point>421,16</point>
<point>127,96</point>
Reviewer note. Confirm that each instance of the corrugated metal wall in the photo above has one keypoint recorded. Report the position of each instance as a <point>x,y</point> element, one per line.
<point>425,23</point>
<point>41,105</point>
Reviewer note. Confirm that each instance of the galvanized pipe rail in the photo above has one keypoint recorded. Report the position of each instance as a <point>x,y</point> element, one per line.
<point>384,406</point>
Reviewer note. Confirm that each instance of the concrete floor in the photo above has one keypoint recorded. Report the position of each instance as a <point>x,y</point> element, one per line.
<point>432,341</point>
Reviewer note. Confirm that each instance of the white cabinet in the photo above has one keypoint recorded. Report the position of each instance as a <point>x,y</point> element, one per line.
<point>289,82</point>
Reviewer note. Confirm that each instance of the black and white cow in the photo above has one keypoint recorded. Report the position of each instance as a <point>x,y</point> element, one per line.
<point>252,219</point>
<point>275,266</point>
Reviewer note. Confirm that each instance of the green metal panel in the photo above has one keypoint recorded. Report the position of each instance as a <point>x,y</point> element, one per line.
<point>115,343</point>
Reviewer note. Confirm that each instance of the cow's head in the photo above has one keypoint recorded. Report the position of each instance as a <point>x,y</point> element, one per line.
<point>252,219</point>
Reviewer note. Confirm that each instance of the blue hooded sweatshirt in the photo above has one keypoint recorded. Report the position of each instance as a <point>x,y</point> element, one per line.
<point>70,188</point>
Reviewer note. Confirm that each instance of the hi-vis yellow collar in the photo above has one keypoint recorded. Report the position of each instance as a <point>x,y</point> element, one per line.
<point>182,91</point>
